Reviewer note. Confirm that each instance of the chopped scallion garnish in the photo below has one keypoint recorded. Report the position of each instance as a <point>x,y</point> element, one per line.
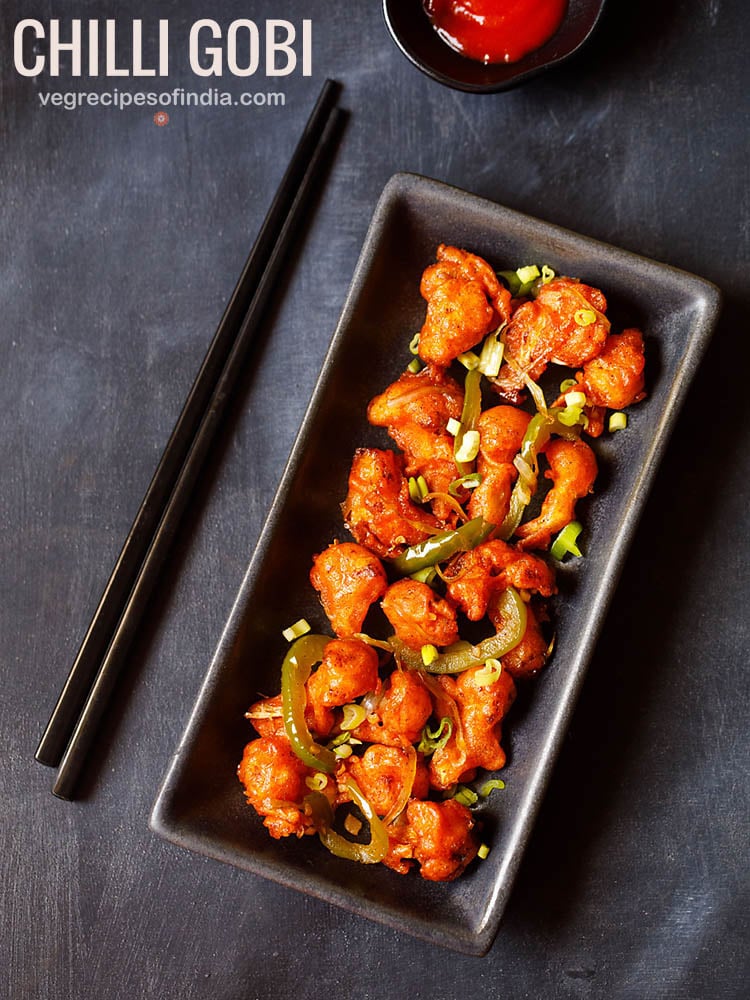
<point>547,274</point>
<point>414,366</point>
<point>575,398</point>
<point>466,796</point>
<point>489,786</point>
<point>343,751</point>
<point>414,344</point>
<point>436,740</point>
<point>566,541</point>
<point>570,416</point>
<point>491,356</point>
<point>469,447</point>
<point>469,360</point>
<point>429,654</point>
<point>567,385</point>
<point>299,628</point>
<point>316,782</point>
<point>490,672</point>
<point>469,482</point>
<point>618,421</point>
<point>354,715</point>
<point>585,317</point>
<point>453,426</point>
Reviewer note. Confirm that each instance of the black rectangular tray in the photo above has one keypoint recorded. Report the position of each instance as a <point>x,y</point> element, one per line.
<point>201,804</point>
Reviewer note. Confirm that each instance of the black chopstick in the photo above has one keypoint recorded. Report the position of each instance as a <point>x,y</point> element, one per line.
<point>100,658</point>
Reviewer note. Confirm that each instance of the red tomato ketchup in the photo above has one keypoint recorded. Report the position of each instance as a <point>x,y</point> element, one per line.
<point>493,31</point>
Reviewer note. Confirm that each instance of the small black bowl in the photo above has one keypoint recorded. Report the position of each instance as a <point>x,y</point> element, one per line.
<point>415,36</point>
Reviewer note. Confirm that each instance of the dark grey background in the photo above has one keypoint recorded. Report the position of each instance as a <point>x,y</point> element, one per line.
<point>119,245</point>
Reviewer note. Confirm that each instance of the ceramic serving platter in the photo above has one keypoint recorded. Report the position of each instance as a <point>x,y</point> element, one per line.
<point>201,804</point>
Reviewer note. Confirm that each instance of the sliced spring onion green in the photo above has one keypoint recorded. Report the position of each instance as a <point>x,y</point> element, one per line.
<point>568,384</point>
<point>489,786</point>
<point>585,317</point>
<point>466,796</point>
<point>466,445</point>
<point>469,360</point>
<point>414,366</point>
<point>316,782</point>
<point>468,482</point>
<point>343,751</point>
<point>547,274</point>
<point>301,627</point>
<point>414,344</point>
<point>575,398</point>
<point>354,715</point>
<point>468,449</point>
<point>491,355</point>
<point>571,415</point>
<point>566,541</point>
<point>429,654</point>
<point>490,672</point>
<point>433,740</point>
<point>418,488</point>
<point>618,421</point>
<point>483,851</point>
<point>453,426</point>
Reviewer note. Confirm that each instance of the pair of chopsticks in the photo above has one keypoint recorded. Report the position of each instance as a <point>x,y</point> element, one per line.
<point>73,724</point>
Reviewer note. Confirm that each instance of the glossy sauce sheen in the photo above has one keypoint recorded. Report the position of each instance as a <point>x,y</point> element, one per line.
<point>494,31</point>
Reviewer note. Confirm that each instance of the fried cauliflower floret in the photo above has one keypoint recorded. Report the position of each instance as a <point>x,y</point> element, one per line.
<point>415,410</point>
<point>565,323</point>
<point>441,837</point>
<point>348,670</point>
<point>403,711</point>
<point>465,301</point>
<point>482,704</point>
<point>572,469</point>
<point>614,379</point>
<point>501,431</point>
<point>383,773</point>
<point>475,577</point>
<point>348,578</point>
<point>274,781</point>
<point>418,615</point>
<point>378,510</point>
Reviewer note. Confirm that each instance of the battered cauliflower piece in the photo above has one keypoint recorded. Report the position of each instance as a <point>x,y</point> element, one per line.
<point>415,410</point>
<point>402,714</point>
<point>418,615</point>
<point>565,323</point>
<point>348,670</point>
<point>378,510</point>
<point>274,781</point>
<point>383,773</point>
<point>475,577</point>
<point>572,469</point>
<point>348,578</point>
<point>482,704</point>
<point>465,302</point>
<point>441,837</point>
<point>501,431</point>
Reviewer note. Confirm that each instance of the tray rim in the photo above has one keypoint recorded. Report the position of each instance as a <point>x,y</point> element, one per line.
<point>706,293</point>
